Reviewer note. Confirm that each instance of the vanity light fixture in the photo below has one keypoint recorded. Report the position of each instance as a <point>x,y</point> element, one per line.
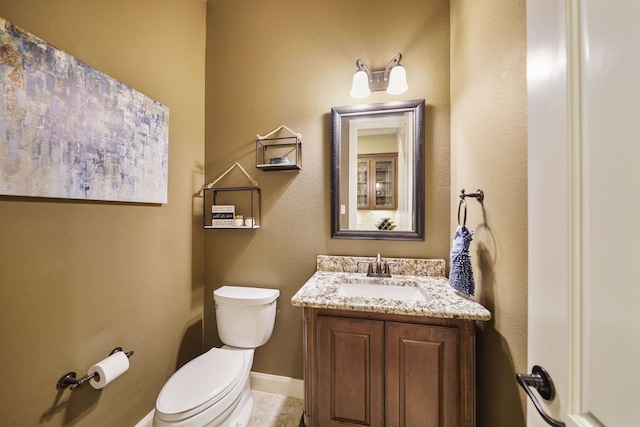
<point>393,78</point>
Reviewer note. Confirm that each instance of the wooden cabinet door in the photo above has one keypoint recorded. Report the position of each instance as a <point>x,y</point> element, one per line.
<point>362,184</point>
<point>350,372</point>
<point>377,182</point>
<point>383,171</point>
<point>422,376</point>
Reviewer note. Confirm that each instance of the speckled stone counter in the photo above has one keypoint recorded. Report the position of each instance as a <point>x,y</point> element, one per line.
<point>321,290</point>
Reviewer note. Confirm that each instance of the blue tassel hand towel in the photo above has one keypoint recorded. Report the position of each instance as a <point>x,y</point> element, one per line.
<point>461,274</point>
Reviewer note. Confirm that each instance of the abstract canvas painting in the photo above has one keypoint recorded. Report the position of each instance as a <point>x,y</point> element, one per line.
<point>70,131</point>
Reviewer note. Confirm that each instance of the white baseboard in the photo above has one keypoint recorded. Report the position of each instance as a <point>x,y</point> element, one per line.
<point>260,382</point>
<point>147,421</point>
<point>277,384</point>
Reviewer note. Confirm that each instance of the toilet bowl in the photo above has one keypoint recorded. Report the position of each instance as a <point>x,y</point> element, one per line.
<point>214,388</point>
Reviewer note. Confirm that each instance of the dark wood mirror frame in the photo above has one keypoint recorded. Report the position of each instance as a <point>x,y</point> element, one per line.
<point>337,115</point>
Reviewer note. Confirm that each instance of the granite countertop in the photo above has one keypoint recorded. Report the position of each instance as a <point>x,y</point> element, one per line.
<point>321,290</point>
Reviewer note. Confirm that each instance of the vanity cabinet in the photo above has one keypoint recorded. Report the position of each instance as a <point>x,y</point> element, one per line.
<point>373,369</point>
<point>376,181</point>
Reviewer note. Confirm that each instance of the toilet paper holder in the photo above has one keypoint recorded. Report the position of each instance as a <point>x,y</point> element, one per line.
<point>70,379</point>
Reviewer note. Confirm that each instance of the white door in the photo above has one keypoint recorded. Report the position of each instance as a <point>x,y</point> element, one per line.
<point>583,72</point>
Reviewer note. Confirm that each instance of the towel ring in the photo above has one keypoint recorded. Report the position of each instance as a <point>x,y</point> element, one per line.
<point>464,219</point>
<point>478,195</point>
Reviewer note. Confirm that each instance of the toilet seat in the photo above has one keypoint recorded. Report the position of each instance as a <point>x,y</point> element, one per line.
<point>200,384</point>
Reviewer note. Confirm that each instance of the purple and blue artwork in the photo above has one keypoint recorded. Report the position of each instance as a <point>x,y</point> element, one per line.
<point>70,131</point>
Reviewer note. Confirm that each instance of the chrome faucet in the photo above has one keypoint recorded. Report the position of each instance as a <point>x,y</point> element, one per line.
<point>379,268</point>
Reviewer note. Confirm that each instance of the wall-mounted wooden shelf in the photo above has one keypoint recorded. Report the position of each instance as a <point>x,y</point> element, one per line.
<point>247,201</point>
<point>279,154</point>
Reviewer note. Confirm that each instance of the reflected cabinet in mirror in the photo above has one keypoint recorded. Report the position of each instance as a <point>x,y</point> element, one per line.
<point>377,171</point>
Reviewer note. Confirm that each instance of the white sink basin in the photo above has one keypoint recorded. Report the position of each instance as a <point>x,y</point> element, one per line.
<point>401,293</point>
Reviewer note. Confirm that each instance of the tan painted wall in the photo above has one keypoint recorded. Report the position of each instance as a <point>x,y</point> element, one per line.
<point>288,62</point>
<point>489,151</point>
<point>80,278</point>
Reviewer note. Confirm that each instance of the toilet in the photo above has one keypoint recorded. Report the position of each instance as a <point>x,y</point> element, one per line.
<point>213,389</point>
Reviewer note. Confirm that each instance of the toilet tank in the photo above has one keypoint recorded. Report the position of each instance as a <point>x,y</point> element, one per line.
<point>245,316</point>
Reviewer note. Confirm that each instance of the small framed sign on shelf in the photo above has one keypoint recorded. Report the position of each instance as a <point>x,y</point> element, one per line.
<point>222,215</point>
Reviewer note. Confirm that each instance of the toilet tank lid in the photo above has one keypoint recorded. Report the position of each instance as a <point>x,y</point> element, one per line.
<point>241,295</point>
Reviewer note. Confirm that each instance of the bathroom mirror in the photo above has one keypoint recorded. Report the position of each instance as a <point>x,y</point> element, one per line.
<point>377,171</point>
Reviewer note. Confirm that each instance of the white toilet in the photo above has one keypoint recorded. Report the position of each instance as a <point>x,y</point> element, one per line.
<point>213,389</point>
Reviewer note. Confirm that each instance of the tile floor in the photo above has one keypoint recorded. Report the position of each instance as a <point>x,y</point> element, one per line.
<point>275,410</point>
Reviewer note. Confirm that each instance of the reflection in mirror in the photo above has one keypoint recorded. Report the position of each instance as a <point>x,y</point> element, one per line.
<point>377,171</point>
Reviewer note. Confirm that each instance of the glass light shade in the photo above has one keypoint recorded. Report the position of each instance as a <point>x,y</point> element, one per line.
<point>360,87</point>
<point>397,81</point>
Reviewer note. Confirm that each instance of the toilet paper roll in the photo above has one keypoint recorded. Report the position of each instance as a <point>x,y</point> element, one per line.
<point>108,369</point>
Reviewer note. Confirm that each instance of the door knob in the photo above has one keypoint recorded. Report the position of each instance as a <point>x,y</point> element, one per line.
<point>539,379</point>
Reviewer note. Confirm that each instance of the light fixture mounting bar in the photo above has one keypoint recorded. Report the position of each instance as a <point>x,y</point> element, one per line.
<point>379,79</point>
